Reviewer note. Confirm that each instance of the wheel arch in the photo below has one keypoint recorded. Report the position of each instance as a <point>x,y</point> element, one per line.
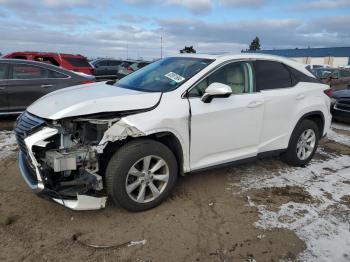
<point>315,116</point>
<point>167,138</point>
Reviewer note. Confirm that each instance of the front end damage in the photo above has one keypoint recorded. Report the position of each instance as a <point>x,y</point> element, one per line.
<point>60,160</point>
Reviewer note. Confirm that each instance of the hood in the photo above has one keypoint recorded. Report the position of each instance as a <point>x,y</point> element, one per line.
<point>91,99</point>
<point>341,93</point>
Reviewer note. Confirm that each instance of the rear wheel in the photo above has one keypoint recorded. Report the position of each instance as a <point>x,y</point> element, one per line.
<point>303,144</point>
<point>141,174</point>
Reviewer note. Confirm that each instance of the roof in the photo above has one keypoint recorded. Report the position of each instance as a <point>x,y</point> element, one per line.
<point>247,56</point>
<point>41,53</point>
<point>307,52</point>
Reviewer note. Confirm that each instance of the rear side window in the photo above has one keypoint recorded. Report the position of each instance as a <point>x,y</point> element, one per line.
<point>301,77</point>
<point>27,72</point>
<point>3,71</point>
<point>271,75</point>
<point>77,61</point>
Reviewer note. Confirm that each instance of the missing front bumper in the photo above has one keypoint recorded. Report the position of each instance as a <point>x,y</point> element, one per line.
<point>82,202</point>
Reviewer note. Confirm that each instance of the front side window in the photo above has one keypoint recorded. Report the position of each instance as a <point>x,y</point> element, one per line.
<point>271,75</point>
<point>237,75</point>
<point>3,68</point>
<point>164,75</point>
<point>114,63</point>
<point>22,71</point>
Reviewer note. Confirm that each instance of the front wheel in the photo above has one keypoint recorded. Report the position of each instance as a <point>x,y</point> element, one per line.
<point>141,174</point>
<point>303,144</point>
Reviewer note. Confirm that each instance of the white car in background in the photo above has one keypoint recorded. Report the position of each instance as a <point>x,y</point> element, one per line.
<point>131,140</point>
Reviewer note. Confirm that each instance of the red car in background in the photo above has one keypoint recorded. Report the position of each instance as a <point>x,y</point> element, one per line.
<point>77,63</point>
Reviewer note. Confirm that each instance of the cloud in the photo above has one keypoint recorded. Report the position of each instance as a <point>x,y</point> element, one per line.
<point>325,4</point>
<point>243,3</point>
<point>195,6</point>
<point>131,18</point>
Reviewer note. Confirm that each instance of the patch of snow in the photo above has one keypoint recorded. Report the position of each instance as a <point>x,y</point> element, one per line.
<point>324,223</point>
<point>339,138</point>
<point>7,143</point>
<point>341,126</point>
<point>139,242</point>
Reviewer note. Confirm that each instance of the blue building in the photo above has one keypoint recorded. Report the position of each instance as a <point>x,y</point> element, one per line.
<point>333,56</point>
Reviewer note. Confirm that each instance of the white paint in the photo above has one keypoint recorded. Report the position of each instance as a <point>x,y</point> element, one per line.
<point>7,143</point>
<point>91,99</point>
<point>325,226</point>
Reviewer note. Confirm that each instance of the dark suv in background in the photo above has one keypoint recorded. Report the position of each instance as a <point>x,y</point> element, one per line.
<point>106,68</point>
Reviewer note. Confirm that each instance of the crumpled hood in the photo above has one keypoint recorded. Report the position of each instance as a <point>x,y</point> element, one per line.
<point>90,99</point>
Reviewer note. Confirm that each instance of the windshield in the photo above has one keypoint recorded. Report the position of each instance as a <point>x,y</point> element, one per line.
<point>164,75</point>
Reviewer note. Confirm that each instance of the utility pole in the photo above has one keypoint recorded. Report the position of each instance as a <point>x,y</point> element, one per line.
<point>161,43</point>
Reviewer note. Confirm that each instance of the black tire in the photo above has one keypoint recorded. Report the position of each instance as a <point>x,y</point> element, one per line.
<point>290,156</point>
<point>121,162</point>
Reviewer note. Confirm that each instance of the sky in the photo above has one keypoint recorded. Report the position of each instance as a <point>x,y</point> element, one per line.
<point>134,28</point>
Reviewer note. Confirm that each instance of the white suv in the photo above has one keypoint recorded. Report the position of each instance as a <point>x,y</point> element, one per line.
<point>130,140</point>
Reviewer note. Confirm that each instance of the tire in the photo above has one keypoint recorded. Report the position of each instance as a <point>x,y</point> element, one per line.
<point>293,153</point>
<point>125,169</point>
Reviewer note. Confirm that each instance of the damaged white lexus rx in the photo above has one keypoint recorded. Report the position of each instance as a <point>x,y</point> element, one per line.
<point>130,140</point>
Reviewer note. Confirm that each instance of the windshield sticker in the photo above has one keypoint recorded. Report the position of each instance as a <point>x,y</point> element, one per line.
<point>175,77</point>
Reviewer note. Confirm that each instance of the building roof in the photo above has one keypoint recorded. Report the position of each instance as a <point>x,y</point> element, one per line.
<point>307,52</point>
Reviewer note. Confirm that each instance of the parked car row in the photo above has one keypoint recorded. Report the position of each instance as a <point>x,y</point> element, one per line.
<point>116,69</point>
<point>337,78</point>
<point>77,63</point>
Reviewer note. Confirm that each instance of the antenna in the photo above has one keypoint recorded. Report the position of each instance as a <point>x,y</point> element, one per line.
<point>161,43</point>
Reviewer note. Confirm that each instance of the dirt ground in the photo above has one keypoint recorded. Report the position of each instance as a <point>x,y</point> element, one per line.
<point>208,218</point>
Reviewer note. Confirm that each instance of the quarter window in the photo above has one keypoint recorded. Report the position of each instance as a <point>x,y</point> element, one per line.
<point>237,75</point>
<point>271,75</point>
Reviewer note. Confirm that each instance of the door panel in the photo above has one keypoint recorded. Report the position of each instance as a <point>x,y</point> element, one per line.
<point>27,83</point>
<point>3,86</point>
<point>225,130</point>
<point>3,95</point>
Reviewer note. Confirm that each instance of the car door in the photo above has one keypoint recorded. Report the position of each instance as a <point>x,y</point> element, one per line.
<point>281,97</point>
<point>226,129</point>
<point>29,82</point>
<point>3,86</point>
<point>113,67</point>
<point>101,68</point>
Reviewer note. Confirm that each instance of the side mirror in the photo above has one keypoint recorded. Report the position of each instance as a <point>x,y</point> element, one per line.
<point>216,90</point>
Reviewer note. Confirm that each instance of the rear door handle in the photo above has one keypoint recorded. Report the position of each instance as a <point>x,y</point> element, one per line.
<point>300,96</point>
<point>46,86</point>
<point>254,104</point>
<point>2,87</point>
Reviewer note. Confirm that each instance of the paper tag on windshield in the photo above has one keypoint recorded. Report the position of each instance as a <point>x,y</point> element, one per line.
<point>175,77</point>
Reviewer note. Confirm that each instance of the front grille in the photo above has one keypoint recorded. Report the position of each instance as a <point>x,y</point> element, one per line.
<point>25,123</point>
<point>343,104</point>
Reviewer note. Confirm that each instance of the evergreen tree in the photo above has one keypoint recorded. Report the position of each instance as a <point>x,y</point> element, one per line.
<point>255,44</point>
<point>187,50</point>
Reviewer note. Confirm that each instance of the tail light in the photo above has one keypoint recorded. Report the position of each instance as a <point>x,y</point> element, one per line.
<point>329,92</point>
<point>87,82</point>
<point>130,68</point>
